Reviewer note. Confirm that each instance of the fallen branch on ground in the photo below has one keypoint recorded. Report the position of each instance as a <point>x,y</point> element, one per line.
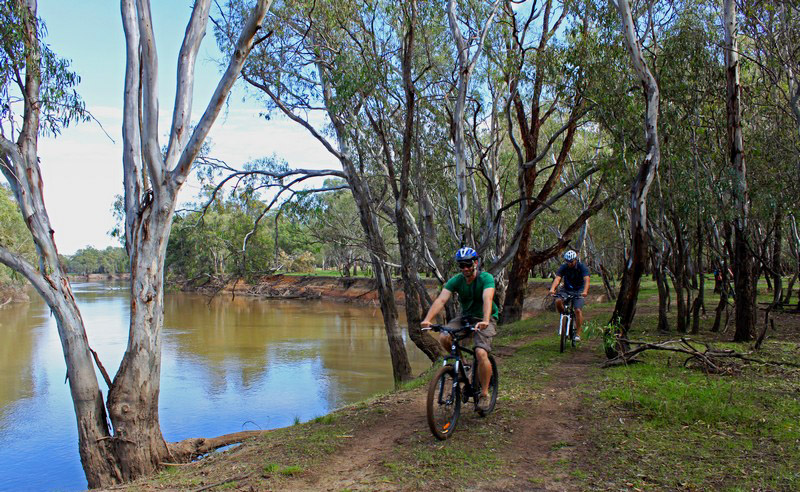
<point>711,360</point>
<point>188,449</point>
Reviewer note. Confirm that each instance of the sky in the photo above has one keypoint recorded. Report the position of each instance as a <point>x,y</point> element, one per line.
<point>82,168</point>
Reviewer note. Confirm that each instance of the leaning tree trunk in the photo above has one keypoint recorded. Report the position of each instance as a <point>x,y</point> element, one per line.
<point>19,164</point>
<point>408,259</point>
<point>362,195</point>
<point>744,263</point>
<point>625,307</point>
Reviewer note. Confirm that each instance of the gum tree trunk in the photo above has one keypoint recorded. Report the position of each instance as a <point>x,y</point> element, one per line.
<point>744,269</point>
<point>625,307</point>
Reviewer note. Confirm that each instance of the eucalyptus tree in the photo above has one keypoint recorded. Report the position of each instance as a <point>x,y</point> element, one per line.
<point>688,59</point>
<point>773,32</point>
<point>625,306</point>
<point>545,77</point>
<point>121,439</point>
<point>743,262</point>
<point>380,106</point>
<point>311,73</point>
<point>477,21</point>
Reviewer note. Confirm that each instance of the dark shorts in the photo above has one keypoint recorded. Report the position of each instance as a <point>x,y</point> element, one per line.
<point>482,338</point>
<point>578,302</point>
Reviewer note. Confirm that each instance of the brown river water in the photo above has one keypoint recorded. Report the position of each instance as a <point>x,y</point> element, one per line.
<point>227,365</point>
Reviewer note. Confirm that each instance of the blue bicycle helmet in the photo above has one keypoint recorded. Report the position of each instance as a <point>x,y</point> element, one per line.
<point>570,255</point>
<point>466,254</point>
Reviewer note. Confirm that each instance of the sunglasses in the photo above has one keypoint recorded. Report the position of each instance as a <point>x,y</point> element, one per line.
<point>465,264</point>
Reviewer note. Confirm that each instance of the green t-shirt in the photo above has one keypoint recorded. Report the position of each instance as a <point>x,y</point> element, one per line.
<point>471,295</point>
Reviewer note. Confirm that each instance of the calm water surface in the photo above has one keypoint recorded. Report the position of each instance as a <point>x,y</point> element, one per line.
<point>228,365</point>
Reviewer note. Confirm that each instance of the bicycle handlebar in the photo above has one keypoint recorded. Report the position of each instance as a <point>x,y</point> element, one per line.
<point>567,296</point>
<point>467,327</point>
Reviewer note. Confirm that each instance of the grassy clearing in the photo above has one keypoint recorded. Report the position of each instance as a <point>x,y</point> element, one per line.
<point>663,426</point>
<point>660,426</point>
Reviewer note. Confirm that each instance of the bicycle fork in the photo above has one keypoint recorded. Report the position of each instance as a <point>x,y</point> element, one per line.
<point>454,389</point>
<point>565,323</point>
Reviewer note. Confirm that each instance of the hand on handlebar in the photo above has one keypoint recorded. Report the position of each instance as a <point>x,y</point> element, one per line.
<point>480,325</point>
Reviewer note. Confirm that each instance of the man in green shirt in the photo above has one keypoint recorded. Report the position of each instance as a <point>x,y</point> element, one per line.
<point>476,294</point>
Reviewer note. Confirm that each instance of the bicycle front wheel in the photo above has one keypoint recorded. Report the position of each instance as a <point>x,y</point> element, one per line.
<point>493,388</point>
<point>562,329</point>
<point>444,402</point>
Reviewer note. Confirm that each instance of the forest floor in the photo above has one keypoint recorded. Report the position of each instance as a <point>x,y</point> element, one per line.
<point>561,423</point>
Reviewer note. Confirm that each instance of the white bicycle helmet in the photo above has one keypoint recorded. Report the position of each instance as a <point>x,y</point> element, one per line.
<point>570,255</point>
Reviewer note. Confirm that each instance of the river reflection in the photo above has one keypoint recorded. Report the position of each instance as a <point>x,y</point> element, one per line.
<point>16,349</point>
<point>228,365</point>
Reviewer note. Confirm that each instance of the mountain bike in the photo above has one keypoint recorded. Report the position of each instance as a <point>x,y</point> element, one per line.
<point>456,383</point>
<point>566,323</point>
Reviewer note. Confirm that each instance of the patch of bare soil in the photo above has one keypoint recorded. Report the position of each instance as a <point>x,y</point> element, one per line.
<point>360,463</point>
<point>550,432</point>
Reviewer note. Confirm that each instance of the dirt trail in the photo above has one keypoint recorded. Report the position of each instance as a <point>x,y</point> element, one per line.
<point>553,429</point>
<point>549,433</point>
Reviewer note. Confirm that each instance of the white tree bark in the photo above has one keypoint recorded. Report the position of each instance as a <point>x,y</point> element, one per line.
<point>466,65</point>
<point>637,259</point>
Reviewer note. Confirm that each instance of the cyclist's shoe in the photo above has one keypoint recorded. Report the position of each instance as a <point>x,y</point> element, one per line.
<point>484,402</point>
<point>577,339</point>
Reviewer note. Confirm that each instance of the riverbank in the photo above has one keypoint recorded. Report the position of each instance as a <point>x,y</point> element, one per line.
<point>98,277</point>
<point>12,294</point>
<point>360,290</point>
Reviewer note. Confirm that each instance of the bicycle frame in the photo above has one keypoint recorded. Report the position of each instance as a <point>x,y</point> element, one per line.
<point>457,361</point>
<point>566,326</point>
<point>446,402</point>
<point>567,316</point>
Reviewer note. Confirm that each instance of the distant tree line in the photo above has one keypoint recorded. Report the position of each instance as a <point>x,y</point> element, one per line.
<point>88,260</point>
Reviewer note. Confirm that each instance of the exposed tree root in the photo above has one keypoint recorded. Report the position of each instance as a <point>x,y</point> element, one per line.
<point>188,449</point>
<point>710,360</point>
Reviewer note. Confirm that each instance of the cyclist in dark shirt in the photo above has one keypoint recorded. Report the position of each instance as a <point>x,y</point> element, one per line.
<point>576,283</point>
<point>475,291</point>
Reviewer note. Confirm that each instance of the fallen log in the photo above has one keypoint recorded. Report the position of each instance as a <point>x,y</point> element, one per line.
<point>710,359</point>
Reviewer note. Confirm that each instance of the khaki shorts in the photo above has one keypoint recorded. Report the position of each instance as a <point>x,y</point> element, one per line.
<point>481,338</point>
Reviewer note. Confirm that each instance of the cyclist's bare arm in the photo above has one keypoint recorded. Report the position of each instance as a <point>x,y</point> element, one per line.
<point>488,296</point>
<point>553,287</point>
<point>585,286</point>
<point>437,306</point>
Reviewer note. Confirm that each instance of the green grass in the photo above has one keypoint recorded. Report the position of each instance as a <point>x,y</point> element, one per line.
<point>325,419</point>
<point>291,471</point>
<point>665,426</point>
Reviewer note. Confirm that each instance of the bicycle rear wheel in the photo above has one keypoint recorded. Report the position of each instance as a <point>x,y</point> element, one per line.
<point>563,325</point>
<point>493,388</point>
<point>444,403</point>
